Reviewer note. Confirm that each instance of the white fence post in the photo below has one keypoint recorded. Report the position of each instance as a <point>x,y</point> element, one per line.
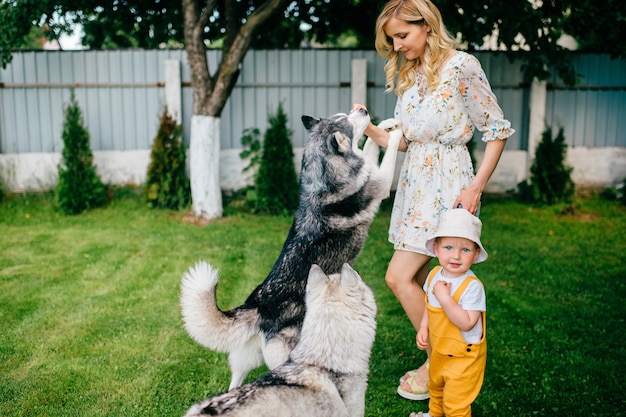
<point>173,89</point>
<point>537,119</point>
<point>358,81</point>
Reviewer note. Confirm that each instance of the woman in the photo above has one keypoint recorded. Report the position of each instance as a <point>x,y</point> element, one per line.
<point>443,95</point>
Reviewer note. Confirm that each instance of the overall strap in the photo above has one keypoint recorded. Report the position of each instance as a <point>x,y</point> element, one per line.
<point>432,274</point>
<point>461,288</point>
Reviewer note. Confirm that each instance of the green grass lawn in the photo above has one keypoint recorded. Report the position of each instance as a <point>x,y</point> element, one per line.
<point>90,322</point>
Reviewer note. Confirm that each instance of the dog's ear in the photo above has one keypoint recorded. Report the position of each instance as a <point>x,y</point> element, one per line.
<point>342,143</point>
<point>316,277</point>
<point>309,121</point>
<point>349,277</point>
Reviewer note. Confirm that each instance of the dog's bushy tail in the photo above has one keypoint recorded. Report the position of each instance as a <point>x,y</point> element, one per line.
<point>204,321</point>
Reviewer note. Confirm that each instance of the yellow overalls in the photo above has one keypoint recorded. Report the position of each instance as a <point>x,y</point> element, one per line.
<point>457,368</point>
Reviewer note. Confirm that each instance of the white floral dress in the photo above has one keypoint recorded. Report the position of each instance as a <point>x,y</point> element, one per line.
<point>437,126</point>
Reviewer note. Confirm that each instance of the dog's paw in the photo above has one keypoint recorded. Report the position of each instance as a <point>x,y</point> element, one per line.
<point>395,136</point>
<point>390,124</point>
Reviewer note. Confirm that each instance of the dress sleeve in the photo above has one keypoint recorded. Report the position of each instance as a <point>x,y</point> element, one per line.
<point>482,104</point>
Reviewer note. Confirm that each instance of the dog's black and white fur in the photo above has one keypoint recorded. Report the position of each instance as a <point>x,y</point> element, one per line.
<point>341,188</point>
<point>326,373</point>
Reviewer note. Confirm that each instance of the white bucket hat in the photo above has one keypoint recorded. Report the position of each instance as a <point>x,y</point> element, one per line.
<point>459,223</point>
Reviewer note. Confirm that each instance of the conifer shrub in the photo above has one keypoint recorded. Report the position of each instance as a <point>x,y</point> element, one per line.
<point>79,187</point>
<point>3,188</point>
<point>550,180</point>
<point>275,189</point>
<point>251,141</point>
<point>167,183</point>
<point>276,180</point>
<point>616,193</point>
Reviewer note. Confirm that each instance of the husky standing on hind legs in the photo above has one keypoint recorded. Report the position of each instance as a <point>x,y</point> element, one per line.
<point>341,188</point>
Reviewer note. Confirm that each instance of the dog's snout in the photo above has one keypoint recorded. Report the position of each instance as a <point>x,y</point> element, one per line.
<point>360,109</point>
<point>363,110</point>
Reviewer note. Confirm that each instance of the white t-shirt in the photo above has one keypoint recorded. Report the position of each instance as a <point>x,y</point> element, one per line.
<point>473,298</point>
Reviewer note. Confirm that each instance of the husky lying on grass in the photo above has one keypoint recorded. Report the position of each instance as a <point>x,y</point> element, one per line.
<point>326,373</point>
<point>341,188</point>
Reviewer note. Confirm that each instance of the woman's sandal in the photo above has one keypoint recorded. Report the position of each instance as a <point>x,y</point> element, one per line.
<point>412,390</point>
<point>410,374</point>
<point>414,384</point>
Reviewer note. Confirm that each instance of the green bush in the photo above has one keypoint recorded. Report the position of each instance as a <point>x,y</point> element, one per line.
<point>167,184</point>
<point>79,187</point>
<point>275,189</point>
<point>617,193</point>
<point>276,180</point>
<point>251,140</point>
<point>550,180</point>
<point>3,189</point>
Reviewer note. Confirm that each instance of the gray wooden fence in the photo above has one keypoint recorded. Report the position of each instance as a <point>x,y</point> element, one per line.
<point>121,94</point>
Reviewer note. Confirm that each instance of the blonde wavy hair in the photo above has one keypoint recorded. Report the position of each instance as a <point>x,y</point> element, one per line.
<point>438,43</point>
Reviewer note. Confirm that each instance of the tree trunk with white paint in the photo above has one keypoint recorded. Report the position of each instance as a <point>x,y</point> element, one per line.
<point>204,158</point>
<point>210,92</point>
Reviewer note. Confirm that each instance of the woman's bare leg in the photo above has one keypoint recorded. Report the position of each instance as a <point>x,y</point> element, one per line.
<point>406,273</point>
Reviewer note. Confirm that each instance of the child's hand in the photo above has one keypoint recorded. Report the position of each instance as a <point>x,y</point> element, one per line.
<point>422,338</point>
<point>441,290</point>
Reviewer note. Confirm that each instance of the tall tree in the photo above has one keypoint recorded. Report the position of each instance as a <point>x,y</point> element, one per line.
<point>210,91</point>
<point>531,26</point>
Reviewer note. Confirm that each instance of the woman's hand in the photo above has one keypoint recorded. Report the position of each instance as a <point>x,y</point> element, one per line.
<point>469,199</point>
<point>378,135</point>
